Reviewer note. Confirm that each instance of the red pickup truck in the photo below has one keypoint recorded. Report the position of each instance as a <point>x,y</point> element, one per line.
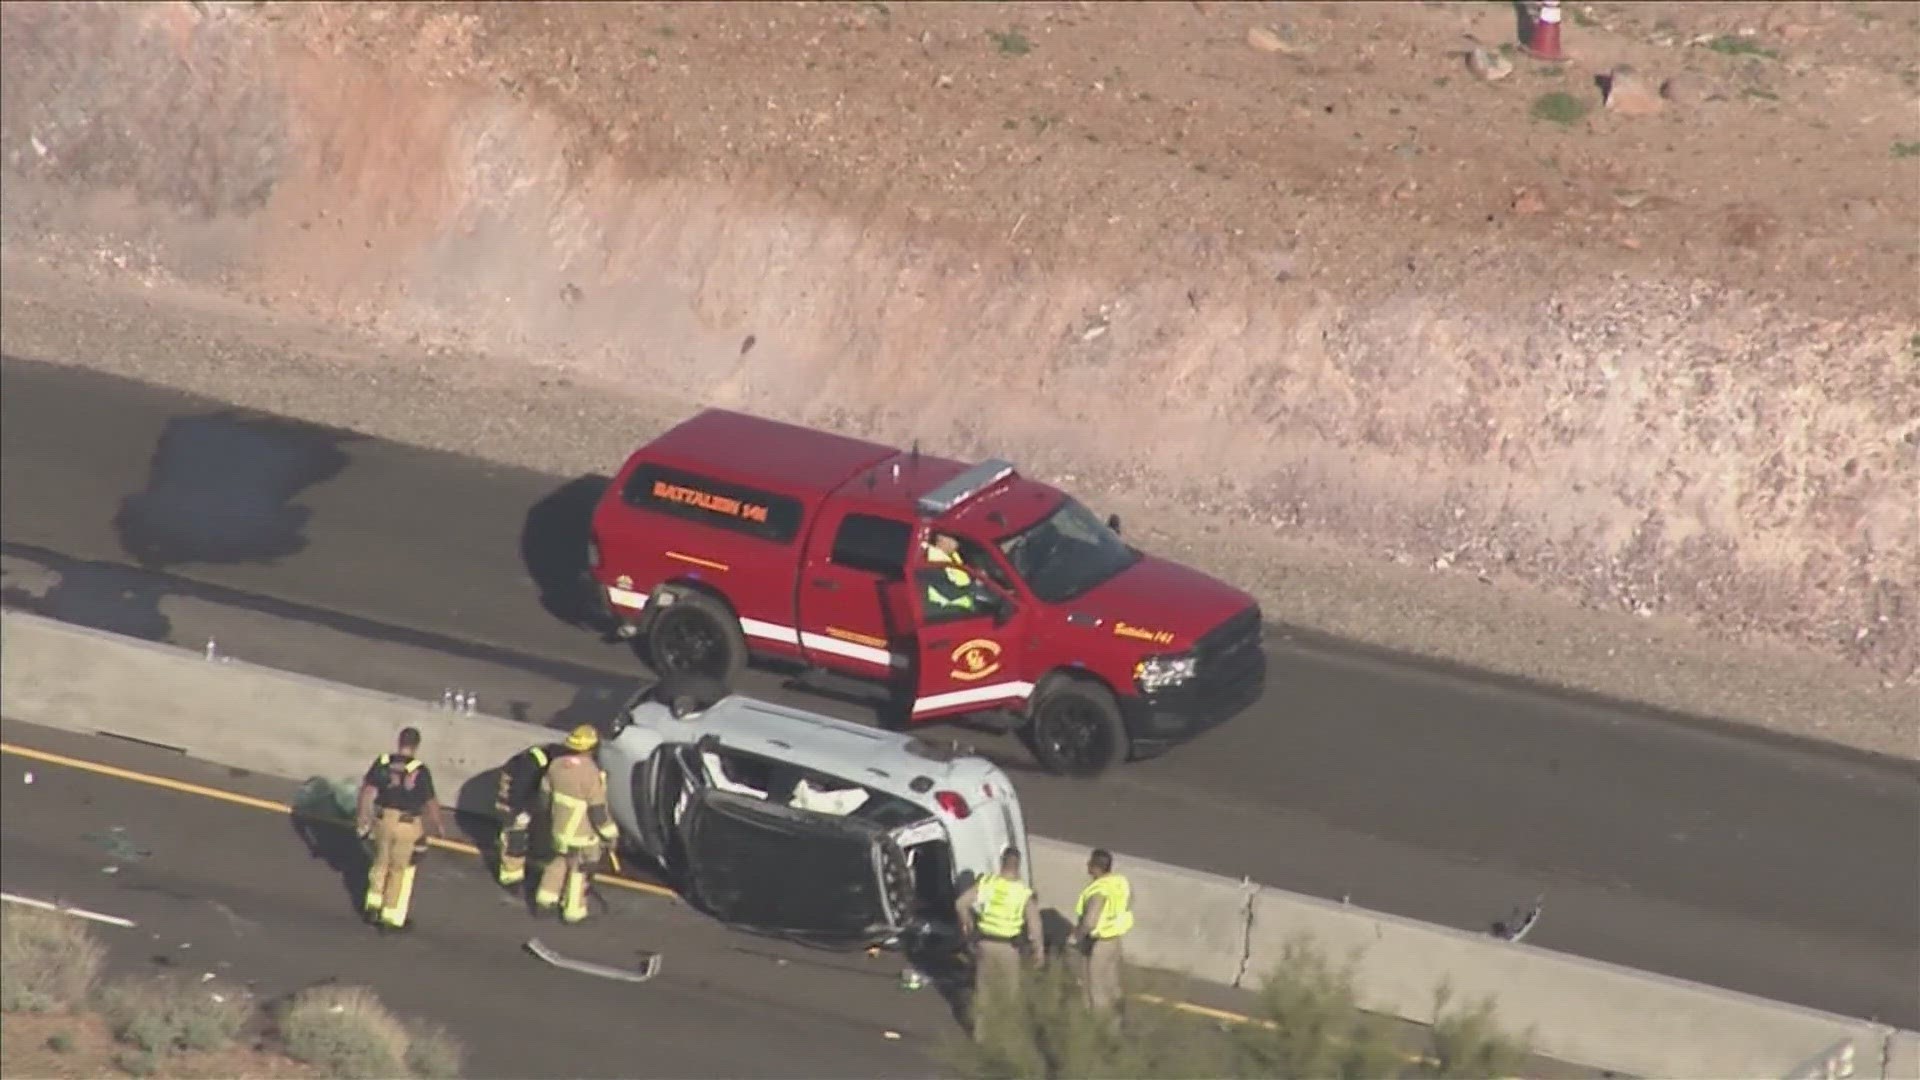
<point>965,589</point>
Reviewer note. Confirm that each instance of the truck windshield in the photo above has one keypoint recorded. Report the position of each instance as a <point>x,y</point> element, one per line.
<point>1067,553</point>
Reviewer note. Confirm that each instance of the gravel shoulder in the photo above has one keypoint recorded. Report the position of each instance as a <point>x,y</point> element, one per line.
<point>528,415</point>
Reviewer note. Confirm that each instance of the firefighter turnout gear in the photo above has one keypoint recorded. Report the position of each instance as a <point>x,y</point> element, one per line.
<point>577,804</point>
<point>1103,916</point>
<point>396,795</point>
<point>514,803</point>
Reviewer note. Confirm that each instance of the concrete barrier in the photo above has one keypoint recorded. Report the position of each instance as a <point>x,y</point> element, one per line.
<point>1214,928</point>
<point>1186,921</point>
<point>1580,1010</point>
<point>1902,1054</point>
<point>234,713</point>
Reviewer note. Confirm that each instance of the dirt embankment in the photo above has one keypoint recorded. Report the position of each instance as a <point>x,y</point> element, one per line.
<point>1330,287</point>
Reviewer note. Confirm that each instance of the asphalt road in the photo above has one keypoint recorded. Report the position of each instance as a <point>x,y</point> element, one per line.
<point>1786,870</point>
<point>238,893</point>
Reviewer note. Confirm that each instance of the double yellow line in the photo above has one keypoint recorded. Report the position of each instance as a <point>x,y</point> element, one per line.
<point>236,799</point>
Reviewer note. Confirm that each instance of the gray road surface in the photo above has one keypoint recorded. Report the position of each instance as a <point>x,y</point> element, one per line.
<point>236,892</point>
<point>1781,869</point>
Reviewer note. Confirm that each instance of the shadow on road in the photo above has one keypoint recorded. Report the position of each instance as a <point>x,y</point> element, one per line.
<point>553,548</point>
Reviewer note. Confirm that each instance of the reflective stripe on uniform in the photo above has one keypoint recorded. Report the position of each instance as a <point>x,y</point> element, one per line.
<point>1116,912</point>
<point>569,811</point>
<point>1002,907</point>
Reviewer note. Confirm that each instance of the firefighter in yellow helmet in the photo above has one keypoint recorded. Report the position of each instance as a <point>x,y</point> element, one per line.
<point>998,915</point>
<point>576,791</point>
<point>395,794</point>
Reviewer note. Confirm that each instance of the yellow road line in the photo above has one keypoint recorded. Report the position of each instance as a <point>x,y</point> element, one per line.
<point>252,802</point>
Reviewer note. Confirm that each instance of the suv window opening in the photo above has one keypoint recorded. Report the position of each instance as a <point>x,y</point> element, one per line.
<point>1067,553</point>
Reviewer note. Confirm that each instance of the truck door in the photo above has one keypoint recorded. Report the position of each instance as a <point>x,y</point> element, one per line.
<point>967,661</point>
<point>846,622</point>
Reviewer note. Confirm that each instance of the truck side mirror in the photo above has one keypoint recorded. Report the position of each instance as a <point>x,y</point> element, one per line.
<point>1113,522</point>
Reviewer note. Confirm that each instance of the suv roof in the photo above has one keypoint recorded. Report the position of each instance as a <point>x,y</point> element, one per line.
<point>871,756</point>
<point>802,461</point>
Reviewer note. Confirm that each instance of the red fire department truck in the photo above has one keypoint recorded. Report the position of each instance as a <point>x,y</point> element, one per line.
<point>732,535</point>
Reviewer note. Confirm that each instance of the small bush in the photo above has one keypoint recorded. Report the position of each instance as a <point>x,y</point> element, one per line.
<point>344,1031</point>
<point>1306,1022</point>
<point>1012,42</point>
<point>159,1015</point>
<point>1731,45</point>
<point>60,1042</point>
<point>1559,107</point>
<point>432,1051</point>
<point>1906,149</point>
<point>48,961</point>
<point>136,1063</point>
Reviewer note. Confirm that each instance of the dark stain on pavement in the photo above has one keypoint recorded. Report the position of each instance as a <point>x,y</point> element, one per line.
<point>221,489</point>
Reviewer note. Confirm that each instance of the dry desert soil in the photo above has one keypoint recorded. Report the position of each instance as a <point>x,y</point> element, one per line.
<point>1604,372</point>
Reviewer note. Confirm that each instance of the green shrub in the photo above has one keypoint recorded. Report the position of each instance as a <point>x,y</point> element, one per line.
<point>345,1032</point>
<point>60,1042</point>
<point>159,1015</point>
<point>48,961</point>
<point>1306,1022</point>
<point>432,1051</point>
<point>136,1063</point>
<point>1559,107</point>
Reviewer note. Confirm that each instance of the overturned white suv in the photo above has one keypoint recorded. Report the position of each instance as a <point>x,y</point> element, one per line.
<point>784,821</point>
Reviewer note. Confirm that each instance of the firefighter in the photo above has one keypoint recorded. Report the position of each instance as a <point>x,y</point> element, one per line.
<point>394,795</point>
<point>999,917</point>
<point>576,790</point>
<point>519,786</point>
<point>1102,918</point>
<point>949,586</point>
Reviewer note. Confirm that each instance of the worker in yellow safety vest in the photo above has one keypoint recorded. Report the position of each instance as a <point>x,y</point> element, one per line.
<point>1102,918</point>
<point>576,790</point>
<point>949,586</point>
<point>999,918</point>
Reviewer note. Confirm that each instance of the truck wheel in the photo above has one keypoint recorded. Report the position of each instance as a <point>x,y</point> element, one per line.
<point>697,637</point>
<point>1077,730</point>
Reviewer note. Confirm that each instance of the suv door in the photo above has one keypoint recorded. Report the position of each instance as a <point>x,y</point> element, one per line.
<point>845,622</point>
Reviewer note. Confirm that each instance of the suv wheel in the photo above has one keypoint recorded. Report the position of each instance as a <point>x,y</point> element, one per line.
<point>1077,730</point>
<point>696,636</point>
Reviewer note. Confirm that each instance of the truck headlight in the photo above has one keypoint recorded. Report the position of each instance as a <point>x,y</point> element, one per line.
<point>1157,673</point>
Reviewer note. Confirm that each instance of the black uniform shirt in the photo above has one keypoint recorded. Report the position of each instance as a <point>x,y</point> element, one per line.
<point>398,787</point>
<point>524,771</point>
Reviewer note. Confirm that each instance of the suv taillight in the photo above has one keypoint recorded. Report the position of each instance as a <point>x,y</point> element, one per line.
<point>953,803</point>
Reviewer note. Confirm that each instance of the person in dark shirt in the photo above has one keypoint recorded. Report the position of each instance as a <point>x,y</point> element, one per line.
<point>395,795</point>
<point>515,802</point>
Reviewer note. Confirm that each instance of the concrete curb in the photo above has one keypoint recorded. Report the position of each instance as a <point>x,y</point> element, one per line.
<point>1210,927</point>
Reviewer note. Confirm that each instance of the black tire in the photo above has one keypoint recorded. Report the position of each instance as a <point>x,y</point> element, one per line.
<point>696,637</point>
<point>1077,730</point>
